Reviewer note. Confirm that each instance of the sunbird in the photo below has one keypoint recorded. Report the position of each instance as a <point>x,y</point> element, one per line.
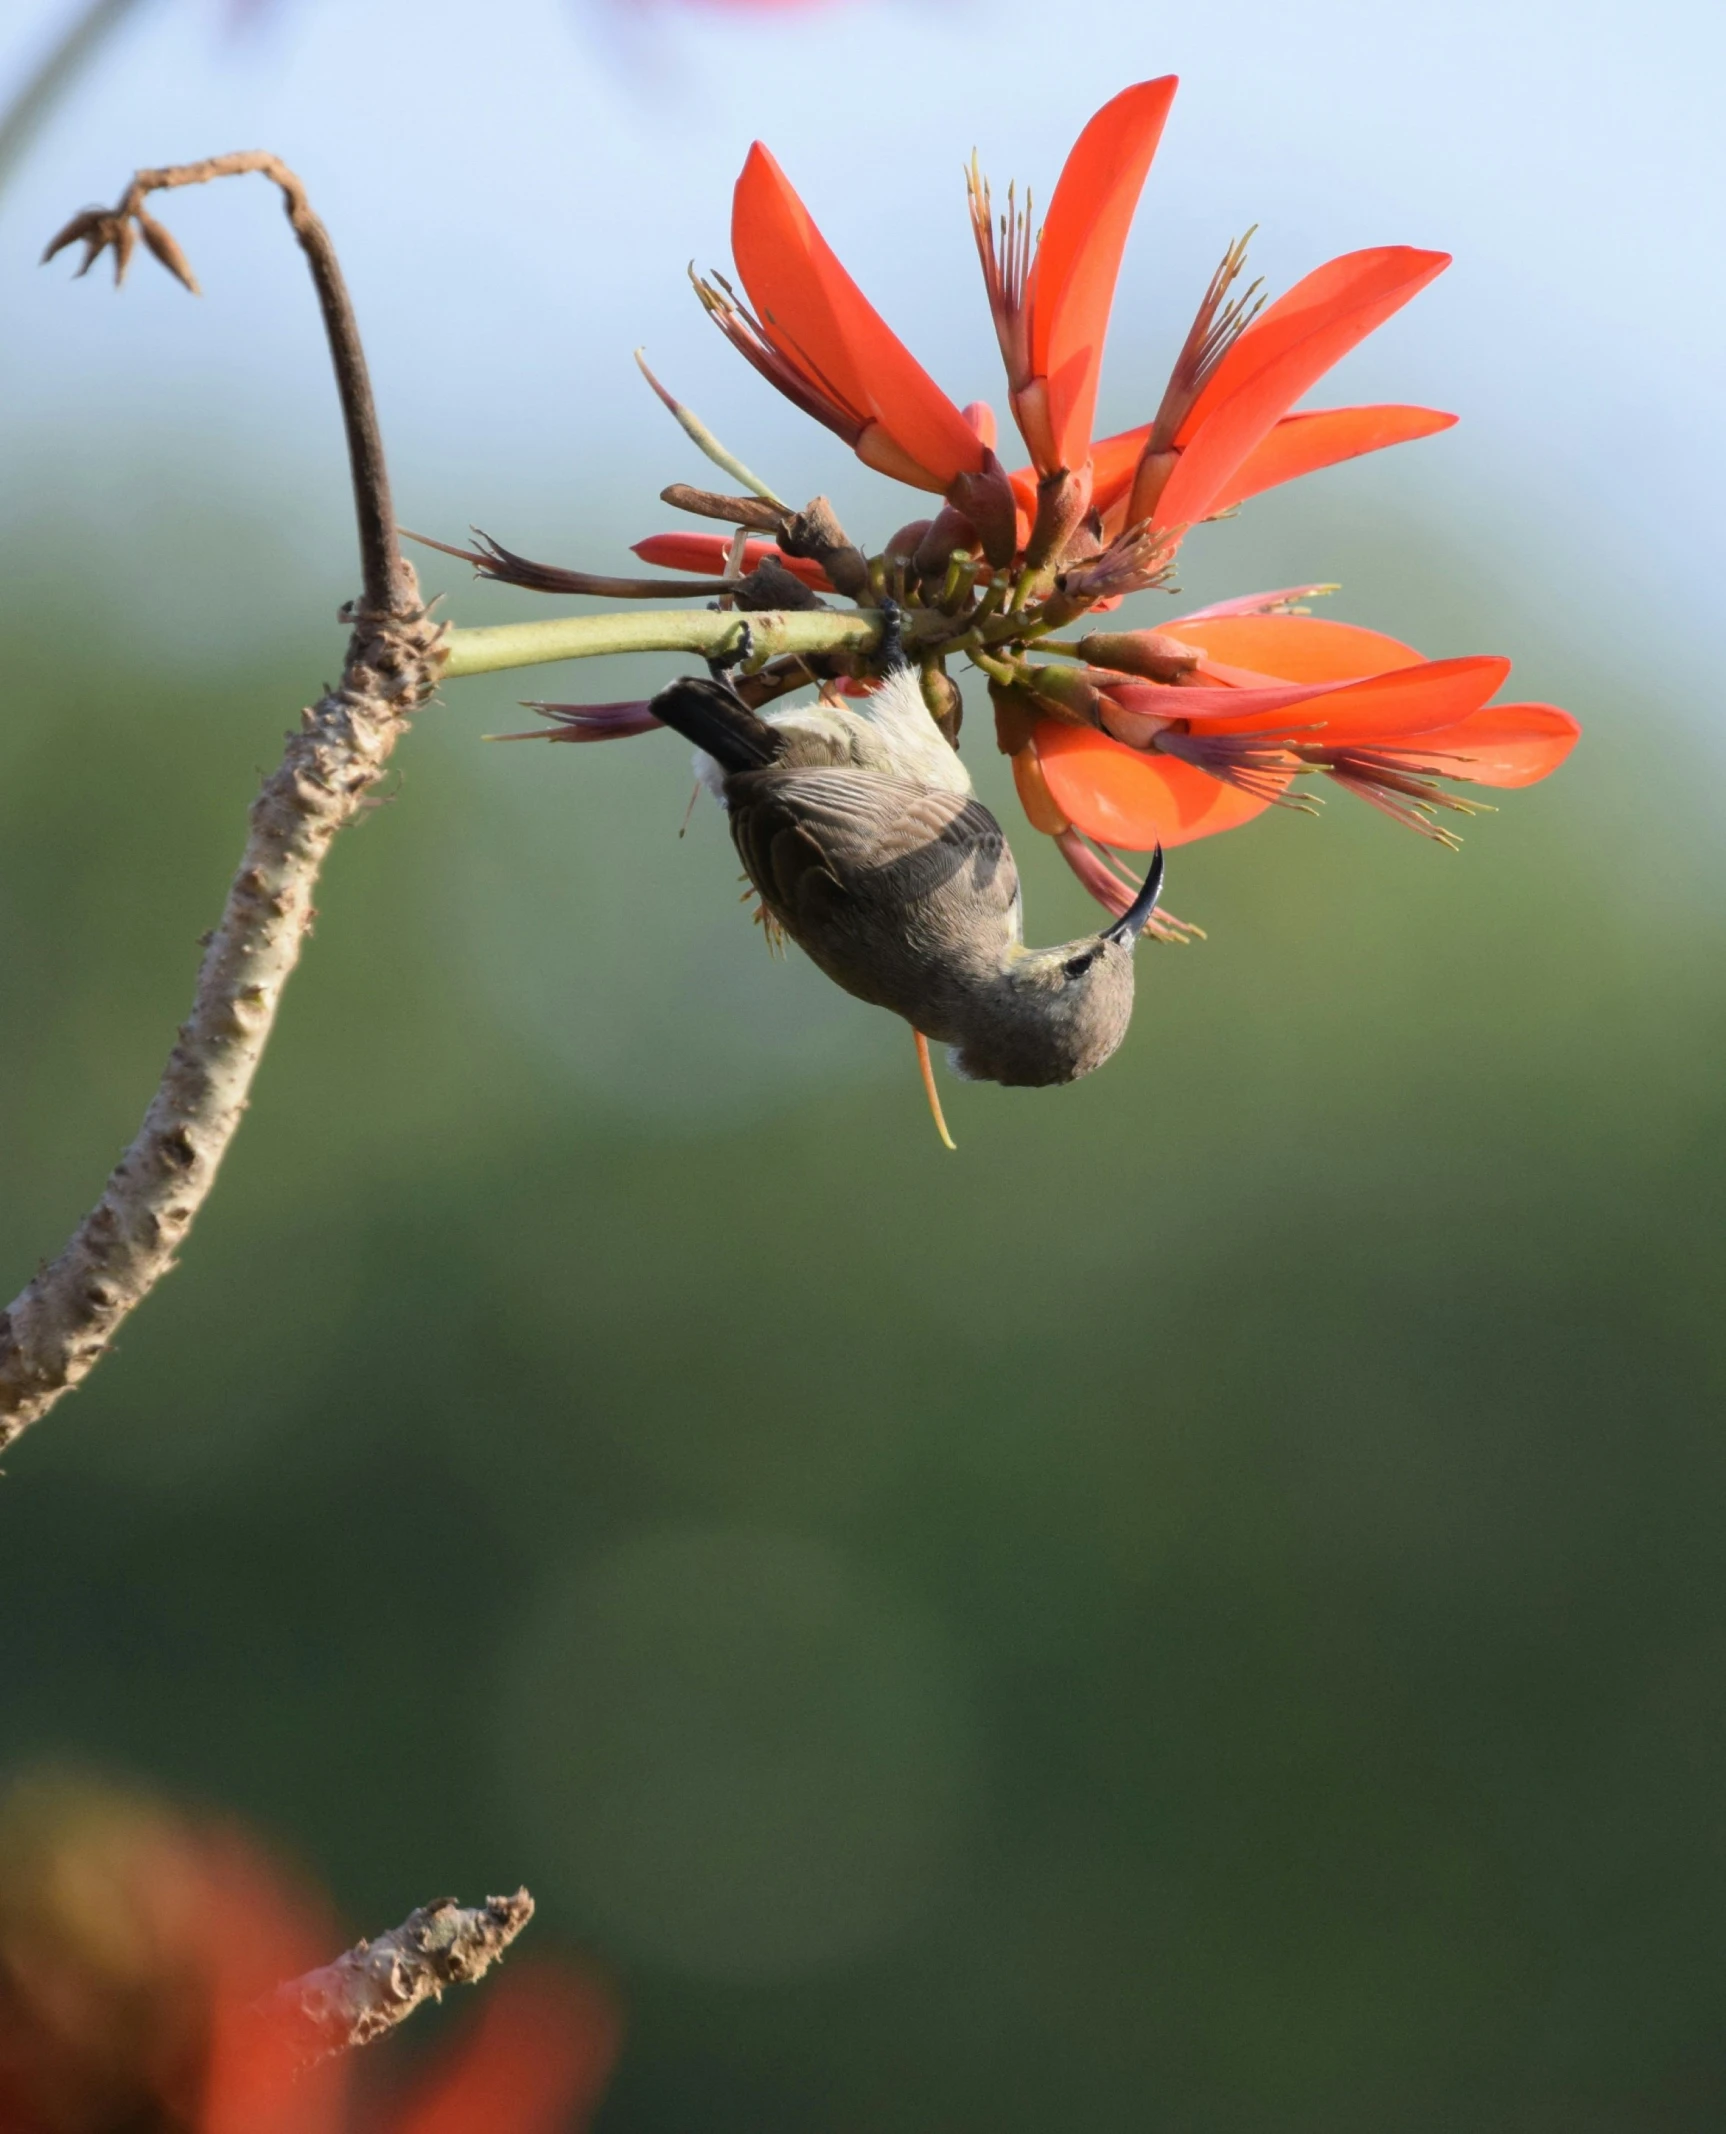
<point>856,823</point>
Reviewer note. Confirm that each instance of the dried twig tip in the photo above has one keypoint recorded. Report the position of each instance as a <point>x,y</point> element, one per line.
<point>117,230</point>
<point>166,251</point>
<point>379,1984</point>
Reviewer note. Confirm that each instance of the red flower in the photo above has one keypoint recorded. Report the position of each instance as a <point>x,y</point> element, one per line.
<point>816,337</point>
<point>1224,427</point>
<point>1238,376</point>
<point>1162,737</point>
<point>708,552</point>
<point>1051,296</point>
<point>1271,695</point>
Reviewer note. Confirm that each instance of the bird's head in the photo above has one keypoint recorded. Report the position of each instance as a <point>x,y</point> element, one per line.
<point>1058,1013</point>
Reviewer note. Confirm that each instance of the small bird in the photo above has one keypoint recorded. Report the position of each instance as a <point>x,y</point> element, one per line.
<point>857,824</point>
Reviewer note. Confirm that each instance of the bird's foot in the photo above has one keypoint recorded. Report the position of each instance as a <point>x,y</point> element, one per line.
<point>891,651</point>
<point>721,665</point>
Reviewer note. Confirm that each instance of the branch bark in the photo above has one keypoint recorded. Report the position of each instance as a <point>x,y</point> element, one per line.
<point>387,577</point>
<point>54,1333</point>
<point>379,1984</point>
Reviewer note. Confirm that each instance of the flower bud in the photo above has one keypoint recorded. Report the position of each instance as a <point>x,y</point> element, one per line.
<point>1016,716</point>
<point>946,705</point>
<point>1067,692</point>
<point>947,530</point>
<point>1063,498</point>
<point>986,499</point>
<point>1149,654</point>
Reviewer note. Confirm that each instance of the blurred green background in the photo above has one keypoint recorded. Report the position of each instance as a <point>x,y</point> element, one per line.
<point>1205,1611</point>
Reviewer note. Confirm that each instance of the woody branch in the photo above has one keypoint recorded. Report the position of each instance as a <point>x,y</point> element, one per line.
<point>378,1984</point>
<point>58,1328</point>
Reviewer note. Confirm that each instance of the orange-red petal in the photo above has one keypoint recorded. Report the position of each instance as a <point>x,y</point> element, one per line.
<point>1501,745</point>
<point>1258,603</point>
<point>816,315</point>
<point>1120,796</point>
<point>1034,795</point>
<point>1023,481</point>
<point>1114,462</point>
<point>1384,709</point>
<point>707,552</point>
<point>981,416</point>
<point>1079,256</point>
<point>1364,287</point>
<point>1280,356</point>
<point>1295,648</point>
<point>1301,444</point>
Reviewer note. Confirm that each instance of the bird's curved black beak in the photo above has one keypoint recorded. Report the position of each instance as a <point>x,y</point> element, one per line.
<point>1130,924</point>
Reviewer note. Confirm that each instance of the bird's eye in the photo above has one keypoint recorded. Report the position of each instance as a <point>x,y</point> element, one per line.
<point>1077,966</point>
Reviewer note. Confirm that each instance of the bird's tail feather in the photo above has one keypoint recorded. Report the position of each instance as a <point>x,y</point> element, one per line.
<point>715,719</point>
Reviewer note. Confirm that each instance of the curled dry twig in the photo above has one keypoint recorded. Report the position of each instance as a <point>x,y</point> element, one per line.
<point>59,1327</point>
<point>379,1984</point>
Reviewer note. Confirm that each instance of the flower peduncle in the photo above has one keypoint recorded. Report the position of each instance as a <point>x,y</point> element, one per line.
<point>703,631</point>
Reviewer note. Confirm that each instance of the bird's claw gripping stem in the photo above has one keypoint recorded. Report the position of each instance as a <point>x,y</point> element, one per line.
<point>891,650</point>
<point>723,665</point>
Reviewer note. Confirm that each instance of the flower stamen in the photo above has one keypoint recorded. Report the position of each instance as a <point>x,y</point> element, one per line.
<point>1216,328</point>
<point>1007,252</point>
<point>1399,785</point>
<point>803,386</point>
<point>1134,561</point>
<point>1247,761</point>
<point>1220,321</point>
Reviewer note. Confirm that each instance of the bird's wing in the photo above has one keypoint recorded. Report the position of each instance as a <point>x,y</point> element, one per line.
<point>810,837</point>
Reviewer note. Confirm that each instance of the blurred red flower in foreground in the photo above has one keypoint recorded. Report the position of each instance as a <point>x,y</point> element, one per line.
<point>1164,736</point>
<point>136,1948</point>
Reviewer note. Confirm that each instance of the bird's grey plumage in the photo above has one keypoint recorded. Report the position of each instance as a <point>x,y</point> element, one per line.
<point>858,826</point>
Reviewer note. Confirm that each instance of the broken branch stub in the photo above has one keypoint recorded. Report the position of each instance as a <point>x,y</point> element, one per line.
<point>378,1984</point>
